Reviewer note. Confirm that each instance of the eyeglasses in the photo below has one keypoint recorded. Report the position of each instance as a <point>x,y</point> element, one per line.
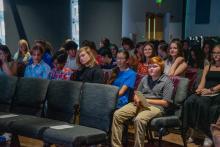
<point>152,66</point>
<point>215,53</point>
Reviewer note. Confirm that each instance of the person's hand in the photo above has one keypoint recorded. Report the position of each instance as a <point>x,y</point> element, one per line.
<point>136,100</point>
<point>206,91</point>
<point>198,90</point>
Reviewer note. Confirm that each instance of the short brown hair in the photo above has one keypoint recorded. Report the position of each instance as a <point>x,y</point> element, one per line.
<point>92,60</point>
<point>157,60</point>
<point>37,48</point>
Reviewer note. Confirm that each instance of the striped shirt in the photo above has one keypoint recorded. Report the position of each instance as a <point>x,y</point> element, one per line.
<point>161,88</point>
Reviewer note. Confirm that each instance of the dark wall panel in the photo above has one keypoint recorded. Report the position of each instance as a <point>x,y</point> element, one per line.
<point>203,11</point>
<point>100,18</point>
<point>42,19</point>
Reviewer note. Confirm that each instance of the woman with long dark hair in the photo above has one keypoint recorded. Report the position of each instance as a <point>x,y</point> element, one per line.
<point>7,64</point>
<point>201,108</point>
<point>175,64</point>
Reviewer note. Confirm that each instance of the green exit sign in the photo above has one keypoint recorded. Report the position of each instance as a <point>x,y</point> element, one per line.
<point>158,1</point>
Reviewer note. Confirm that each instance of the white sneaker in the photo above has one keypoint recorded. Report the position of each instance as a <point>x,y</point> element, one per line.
<point>7,136</point>
<point>207,142</point>
<point>190,140</point>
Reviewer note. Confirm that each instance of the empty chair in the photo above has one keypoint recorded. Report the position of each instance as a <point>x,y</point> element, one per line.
<point>61,98</point>
<point>30,96</point>
<point>97,104</point>
<point>28,100</point>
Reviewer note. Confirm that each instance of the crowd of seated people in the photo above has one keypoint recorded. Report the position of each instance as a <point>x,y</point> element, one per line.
<point>146,67</point>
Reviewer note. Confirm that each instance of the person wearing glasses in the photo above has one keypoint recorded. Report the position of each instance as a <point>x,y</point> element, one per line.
<point>156,89</point>
<point>201,108</point>
<point>123,77</point>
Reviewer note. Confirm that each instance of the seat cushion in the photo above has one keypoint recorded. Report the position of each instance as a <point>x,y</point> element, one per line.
<point>7,91</point>
<point>6,119</point>
<point>76,136</point>
<point>62,96</point>
<point>33,127</point>
<point>30,96</point>
<point>166,122</point>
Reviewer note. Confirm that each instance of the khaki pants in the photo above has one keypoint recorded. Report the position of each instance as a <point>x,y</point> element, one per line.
<point>140,123</point>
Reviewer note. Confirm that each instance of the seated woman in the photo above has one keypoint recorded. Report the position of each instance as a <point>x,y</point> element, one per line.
<point>38,69</point>
<point>138,51</point>
<point>22,56</point>
<point>197,57</point>
<point>148,52</point>
<point>200,108</point>
<point>123,77</point>
<point>114,50</point>
<point>175,64</point>
<point>157,88</point>
<point>7,65</point>
<point>89,70</point>
<point>207,49</point>
<point>162,50</point>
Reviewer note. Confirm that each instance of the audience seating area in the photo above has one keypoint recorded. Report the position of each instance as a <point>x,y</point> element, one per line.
<point>46,109</point>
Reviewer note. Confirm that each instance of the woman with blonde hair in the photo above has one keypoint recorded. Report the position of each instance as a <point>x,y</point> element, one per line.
<point>89,70</point>
<point>23,54</point>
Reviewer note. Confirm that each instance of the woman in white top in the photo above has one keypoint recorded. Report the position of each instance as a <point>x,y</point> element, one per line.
<point>23,54</point>
<point>175,64</point>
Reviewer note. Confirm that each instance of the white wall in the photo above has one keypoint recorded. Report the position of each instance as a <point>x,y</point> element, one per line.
<point>211,29</point>
<point>134,11</point>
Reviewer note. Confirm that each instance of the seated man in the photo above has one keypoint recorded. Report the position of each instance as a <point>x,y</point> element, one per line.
<point>157,88</point>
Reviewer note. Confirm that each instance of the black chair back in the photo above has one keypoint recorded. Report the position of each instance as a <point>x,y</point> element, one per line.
<point>7,91</point>
<point>97,104</point>
<point>30,96</point>
<point>62,97</point>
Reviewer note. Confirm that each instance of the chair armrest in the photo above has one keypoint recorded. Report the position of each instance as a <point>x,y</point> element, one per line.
<point>166,122</point>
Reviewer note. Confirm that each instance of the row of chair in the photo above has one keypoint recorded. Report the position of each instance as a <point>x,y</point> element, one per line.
<point>36,107</point>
